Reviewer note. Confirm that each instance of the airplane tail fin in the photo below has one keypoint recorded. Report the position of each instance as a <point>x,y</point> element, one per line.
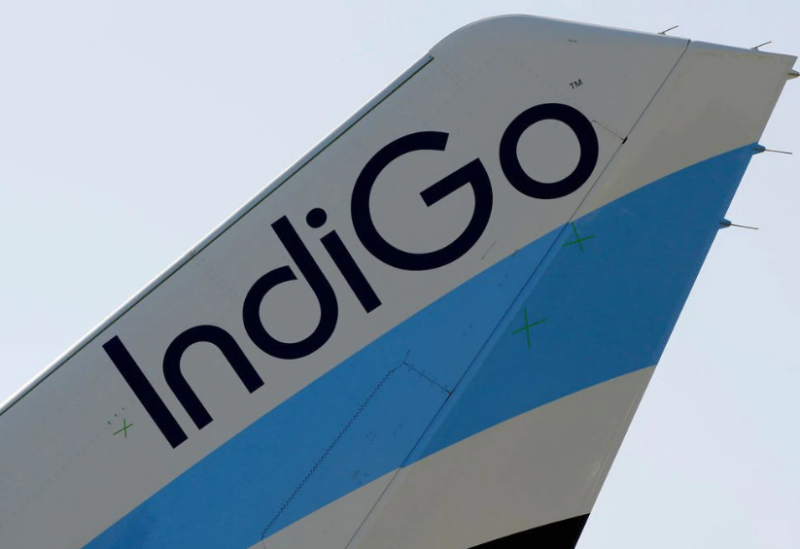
<point>432,331</point>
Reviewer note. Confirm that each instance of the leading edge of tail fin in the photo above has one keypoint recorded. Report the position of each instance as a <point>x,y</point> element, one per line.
<point>374,351</point>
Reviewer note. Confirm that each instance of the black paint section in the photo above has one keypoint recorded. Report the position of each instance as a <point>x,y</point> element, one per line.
<point>587,138</point>
<point>352,274</point>
<point>563,534</point>
<point>144,391</point>
<point>329,307</point>
<point>230,350</point>
<point>472,174</point>
<point>316,218</point>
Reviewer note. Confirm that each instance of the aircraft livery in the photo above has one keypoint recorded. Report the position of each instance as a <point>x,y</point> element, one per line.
<point>431,332</point>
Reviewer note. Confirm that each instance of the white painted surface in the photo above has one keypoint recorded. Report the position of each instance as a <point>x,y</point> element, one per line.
<point>717,99</point>
<point>469,90</point>
<point>332,526</point>
<point>540,467</point>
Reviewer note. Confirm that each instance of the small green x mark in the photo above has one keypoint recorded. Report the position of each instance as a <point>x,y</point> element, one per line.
<point>528,327</point>
<point>125,428</point>
<point>578,240</point>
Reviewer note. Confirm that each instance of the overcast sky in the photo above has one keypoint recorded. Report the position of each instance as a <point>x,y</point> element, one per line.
<point>128,130</point>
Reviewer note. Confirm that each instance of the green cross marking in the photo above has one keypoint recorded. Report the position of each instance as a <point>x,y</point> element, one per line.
<point>528,327</point>
<point>125,428</point>
<point>578,240</point>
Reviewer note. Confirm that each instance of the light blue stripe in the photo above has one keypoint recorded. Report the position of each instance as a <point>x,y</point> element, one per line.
<point>609,307</point>
<point>609,310</point>
<point>351,426</point>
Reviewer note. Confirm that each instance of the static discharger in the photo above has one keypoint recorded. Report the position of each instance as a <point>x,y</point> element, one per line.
<point>761,45</point>
<point>664,32</point>
<point>761,149</point>
<point>725,224</point>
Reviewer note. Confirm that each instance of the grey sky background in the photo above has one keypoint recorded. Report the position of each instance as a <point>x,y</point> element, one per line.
<point>128,130</point>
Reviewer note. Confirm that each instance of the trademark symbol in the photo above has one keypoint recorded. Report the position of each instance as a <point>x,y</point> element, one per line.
<point>576,84</point>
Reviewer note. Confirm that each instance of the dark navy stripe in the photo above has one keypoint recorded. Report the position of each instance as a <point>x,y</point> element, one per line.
<point>609,306</point>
